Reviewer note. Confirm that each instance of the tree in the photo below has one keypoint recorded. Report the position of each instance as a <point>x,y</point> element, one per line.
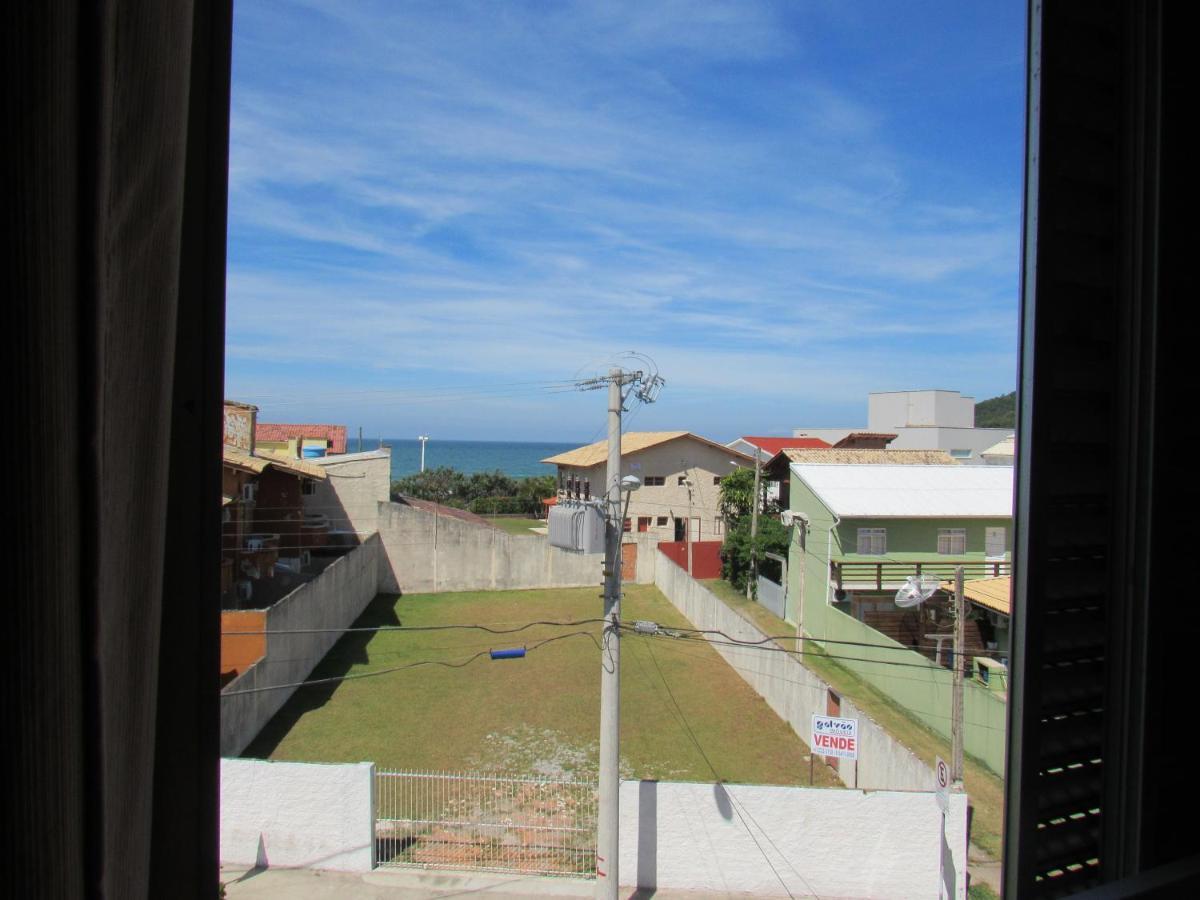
<point>441,485</point>
<point>997,412</point>
<point>737,495</point>
<point>772,537</point>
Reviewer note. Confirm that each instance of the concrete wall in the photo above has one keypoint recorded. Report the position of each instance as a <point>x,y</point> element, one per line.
<point>819,842</point>
<point>355,485</point>
<point>428,553</point>
<point>333,600</point>
<point>297,815</point>
<point>793,691</point>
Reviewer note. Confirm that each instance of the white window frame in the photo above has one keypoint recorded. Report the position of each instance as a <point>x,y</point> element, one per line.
<point>871,542</point>
<point>949,538</point>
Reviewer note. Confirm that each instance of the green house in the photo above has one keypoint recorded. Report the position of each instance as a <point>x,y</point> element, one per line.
<point>858,532</point>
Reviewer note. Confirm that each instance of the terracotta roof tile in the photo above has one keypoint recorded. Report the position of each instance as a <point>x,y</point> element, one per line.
<point>275,431</point>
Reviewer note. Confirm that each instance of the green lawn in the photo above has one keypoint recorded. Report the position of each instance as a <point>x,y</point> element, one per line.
<point>985,789</point>
<point>540,713</point>
<point>516,526</point>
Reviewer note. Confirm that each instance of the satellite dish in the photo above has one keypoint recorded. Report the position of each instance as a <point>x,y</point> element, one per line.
<point>916,590</point>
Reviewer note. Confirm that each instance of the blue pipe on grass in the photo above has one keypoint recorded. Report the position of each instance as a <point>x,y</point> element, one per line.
<point>514,653</point>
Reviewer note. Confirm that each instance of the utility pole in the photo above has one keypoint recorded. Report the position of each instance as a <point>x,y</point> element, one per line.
<point>754,525</point>
<point>360,439</point>
<point>956,702</point>
<point>608,845</point>
<point>644,386</point>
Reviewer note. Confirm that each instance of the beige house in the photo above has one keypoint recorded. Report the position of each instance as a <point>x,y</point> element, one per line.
<point>680,474</point>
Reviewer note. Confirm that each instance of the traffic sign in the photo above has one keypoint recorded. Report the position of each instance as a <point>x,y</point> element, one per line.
<point>941,778</point>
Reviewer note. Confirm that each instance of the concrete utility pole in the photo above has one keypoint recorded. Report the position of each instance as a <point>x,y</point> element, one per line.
<point>360,439</point>
<point>644,386</point>
<point>754,525</point>
<point>956,702</point>
<point>607,844</point>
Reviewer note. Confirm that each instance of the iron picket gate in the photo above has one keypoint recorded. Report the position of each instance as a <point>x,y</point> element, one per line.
<point>490,823</point>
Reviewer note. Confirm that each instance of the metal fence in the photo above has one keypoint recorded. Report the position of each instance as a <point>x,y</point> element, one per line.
<point>495,824</point>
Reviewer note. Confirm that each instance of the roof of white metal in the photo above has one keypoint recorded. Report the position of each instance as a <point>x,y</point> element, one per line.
<point>905,492</point>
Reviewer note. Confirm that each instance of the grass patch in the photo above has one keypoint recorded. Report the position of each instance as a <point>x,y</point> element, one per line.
<point>985,789</point>
<point>517,526</point>
<point>538,714</point>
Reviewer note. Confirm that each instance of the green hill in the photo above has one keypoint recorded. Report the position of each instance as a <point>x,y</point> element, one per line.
<point>997,412</point>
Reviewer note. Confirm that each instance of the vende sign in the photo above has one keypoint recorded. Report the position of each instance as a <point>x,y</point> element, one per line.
<point>832,736</point>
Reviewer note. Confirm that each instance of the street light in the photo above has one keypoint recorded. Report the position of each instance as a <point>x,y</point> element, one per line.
<point>422,438</point>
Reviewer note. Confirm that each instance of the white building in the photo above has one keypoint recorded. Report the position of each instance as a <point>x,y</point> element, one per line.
<point>922,420</point>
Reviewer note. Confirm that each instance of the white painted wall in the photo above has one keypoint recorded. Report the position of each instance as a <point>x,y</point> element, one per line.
<point>297,815</point>
<point>819,842</point>
<point>791,690</point>
<point>890,410</point>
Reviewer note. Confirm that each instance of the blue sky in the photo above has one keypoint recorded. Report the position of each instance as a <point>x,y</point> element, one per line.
<point>440,212</point>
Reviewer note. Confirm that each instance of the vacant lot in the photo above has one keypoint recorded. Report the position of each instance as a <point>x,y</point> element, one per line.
<point>685,714</point>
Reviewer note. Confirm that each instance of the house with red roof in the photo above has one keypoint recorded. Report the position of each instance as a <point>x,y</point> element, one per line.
<point>294,439</point>
<point>768,447</point>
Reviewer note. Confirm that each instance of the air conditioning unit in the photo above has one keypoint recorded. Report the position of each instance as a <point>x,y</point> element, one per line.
<point>250,491</point>
<point>245,590</point>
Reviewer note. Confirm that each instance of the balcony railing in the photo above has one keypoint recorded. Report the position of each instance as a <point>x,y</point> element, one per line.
<point>885,572</point>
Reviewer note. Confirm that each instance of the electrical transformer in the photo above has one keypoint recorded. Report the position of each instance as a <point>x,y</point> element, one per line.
<point>577,525</point>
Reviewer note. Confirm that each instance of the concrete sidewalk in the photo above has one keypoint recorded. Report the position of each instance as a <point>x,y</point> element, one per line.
<point>419,884</point>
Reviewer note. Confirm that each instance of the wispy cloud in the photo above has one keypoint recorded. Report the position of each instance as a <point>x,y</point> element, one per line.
<point>451,194</point>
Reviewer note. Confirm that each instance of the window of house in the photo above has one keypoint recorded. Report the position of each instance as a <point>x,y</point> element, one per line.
<point>872,541</point>
<point>644,523</point>
<point>308,488</point>
<point>652,480</point>
<point>683,479</point>
<point>719,525</point>
<point>716,479</point>
<point>952,541</point>
<point>961,454</point>
<point>662,521</point>
<point>625,526</point>
<point>587,489</point>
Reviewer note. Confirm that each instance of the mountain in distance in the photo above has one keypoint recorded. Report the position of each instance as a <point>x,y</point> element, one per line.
<point>997,412</point>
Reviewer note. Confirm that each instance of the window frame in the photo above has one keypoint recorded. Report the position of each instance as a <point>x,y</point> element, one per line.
<point>871,534</point>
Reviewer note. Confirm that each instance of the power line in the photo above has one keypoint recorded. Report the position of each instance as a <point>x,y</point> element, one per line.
<point>337,679</point>
<point>413,628</point>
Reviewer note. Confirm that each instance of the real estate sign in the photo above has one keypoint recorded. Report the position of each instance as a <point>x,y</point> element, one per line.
<point>833,736</point>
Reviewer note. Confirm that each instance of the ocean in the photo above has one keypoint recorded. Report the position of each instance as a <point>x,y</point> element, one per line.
<point>519,459</point>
